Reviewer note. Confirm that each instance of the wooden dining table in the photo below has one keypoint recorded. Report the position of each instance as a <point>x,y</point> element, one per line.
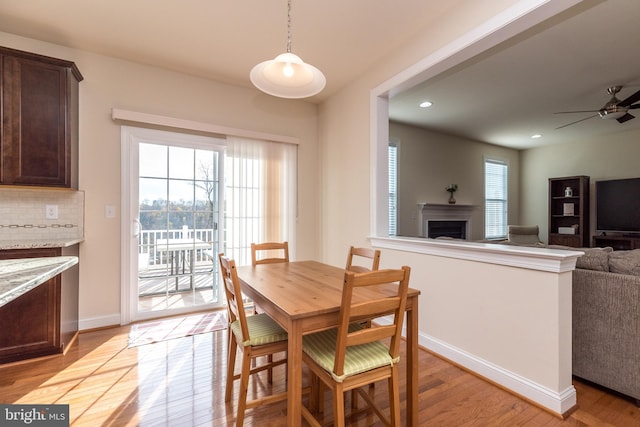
<point>305,296</point>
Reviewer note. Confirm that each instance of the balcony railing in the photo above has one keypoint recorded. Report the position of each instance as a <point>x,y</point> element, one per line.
<point>164,271</point>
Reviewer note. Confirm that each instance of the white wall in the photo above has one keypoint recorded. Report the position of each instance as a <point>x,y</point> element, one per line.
<point>542,356</point>
<point>429,161</point>
<point>615,157</point>
<point>110,83</point>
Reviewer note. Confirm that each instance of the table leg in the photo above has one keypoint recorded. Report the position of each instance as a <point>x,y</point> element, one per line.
<point>191,269</point>
<point>294,372</point>
<point>412,364</point>
<point>175,265</point>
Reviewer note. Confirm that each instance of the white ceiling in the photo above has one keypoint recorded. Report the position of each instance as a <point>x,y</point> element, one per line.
<point>224,39</point>
<point>502,98</point>
<point>510,93</point>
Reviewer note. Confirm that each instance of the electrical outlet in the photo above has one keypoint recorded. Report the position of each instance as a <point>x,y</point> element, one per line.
<point>51,212</point>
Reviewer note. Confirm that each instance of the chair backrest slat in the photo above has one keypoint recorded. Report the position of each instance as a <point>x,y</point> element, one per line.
<point>351,312</point>
<point>272,252</point>
<point>369,253</point>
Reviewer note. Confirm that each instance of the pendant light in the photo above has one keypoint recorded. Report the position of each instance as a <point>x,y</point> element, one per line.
<point>287,76</point>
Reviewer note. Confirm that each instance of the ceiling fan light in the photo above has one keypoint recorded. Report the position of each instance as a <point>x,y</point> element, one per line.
<point>612,114</point>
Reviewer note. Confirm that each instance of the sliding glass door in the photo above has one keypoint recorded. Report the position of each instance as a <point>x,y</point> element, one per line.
<point>187,198</point>
<point>175,185</point>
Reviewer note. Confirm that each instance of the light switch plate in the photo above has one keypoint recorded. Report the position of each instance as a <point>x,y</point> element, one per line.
<point>109,211</point>
<point>51,212</point>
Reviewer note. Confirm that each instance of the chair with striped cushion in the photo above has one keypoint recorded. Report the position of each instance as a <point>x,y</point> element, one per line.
<point>349,357</point>
<point>255,336</point>
<point>357,254</point>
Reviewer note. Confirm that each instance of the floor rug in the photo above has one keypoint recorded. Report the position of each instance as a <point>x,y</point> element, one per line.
<point>176,327</point>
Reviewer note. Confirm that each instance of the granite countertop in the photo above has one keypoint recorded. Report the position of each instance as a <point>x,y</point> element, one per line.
<point>39,243</point>
<point>19,276</point>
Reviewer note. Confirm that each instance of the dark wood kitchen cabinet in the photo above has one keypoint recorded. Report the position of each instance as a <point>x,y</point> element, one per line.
<point>39,144</point>
<point>43,321</point>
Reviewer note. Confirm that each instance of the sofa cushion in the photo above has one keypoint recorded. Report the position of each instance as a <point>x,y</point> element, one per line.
<point>625,262</point>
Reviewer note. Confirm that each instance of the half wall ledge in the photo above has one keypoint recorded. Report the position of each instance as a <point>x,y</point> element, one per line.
<point>543,259</point>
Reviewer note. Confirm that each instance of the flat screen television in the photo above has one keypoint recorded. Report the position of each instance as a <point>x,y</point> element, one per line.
<point>618,205</point>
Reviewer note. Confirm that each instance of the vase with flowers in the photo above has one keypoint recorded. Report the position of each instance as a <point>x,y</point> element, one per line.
<point>451,188</point>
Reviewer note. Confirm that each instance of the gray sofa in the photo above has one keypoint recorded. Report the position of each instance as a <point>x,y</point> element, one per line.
<point>606,319</point>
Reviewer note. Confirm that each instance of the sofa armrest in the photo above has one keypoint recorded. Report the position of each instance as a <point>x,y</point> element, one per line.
<point>606,329</point>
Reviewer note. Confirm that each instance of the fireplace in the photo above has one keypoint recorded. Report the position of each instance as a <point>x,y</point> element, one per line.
<point>453,229</point>
<point>437,220</point>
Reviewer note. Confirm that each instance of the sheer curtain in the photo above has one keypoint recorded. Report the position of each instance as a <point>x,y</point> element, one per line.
<point>260,195</point>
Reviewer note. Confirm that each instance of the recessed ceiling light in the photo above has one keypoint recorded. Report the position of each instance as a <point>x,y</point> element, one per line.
<point>426,104</point>
<point>536,136</point>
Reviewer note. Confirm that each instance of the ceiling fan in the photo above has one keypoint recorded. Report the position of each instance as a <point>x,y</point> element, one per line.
<point>614,109</point>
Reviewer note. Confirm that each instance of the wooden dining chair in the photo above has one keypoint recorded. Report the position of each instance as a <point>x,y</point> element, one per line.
<point>371,254</point>
<point>349,357</point>
<point>255,336</point>
<point>269,252</point>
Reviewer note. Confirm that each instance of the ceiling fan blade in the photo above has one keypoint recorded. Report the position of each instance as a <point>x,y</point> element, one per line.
<point>582,111</point>
<point>625,118</point>
<point>630,100</point>
<point>632,107</point>
<point>577,121</point>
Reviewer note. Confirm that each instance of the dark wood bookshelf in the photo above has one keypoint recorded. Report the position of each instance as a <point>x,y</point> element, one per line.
<point>569,213</point>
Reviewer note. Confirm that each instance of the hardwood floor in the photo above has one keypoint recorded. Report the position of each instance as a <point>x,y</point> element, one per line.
<point>181,383</point>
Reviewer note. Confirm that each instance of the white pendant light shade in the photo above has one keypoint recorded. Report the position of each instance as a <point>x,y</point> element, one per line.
<point>287,76</point>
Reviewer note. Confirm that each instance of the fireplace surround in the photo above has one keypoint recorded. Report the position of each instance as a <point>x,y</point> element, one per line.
<point>448,220</point>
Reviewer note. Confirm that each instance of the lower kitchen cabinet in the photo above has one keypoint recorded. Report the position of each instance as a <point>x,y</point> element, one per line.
<point>44,321</point>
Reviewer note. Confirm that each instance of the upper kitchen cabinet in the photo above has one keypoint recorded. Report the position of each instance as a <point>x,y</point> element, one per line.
<point>39,144</point>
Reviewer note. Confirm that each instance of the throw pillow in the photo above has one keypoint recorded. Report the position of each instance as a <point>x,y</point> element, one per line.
<point>625,262</point>
<point>594,259</point>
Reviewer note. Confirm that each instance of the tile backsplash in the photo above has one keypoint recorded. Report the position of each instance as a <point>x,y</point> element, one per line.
<point>23,214</point>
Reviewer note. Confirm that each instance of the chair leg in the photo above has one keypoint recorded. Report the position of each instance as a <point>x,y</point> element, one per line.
<point>244,386</point>
<point>231,367</point>
<point>313,393</point>
<point>338,406</point>
<point>321,389</point>
<point>394,398</point>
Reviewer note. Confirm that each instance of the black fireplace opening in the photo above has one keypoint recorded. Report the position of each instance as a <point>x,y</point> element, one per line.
<point>453,229</point>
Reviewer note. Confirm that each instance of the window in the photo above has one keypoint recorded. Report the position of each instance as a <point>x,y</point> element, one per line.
<point>495,198</point>
<point>393,188</point>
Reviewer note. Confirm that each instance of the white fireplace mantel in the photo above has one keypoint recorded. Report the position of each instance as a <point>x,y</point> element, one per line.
<point>443,212</point>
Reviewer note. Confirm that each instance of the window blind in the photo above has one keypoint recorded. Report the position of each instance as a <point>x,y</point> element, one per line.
<point>496,198</point>
<point>393,192</point>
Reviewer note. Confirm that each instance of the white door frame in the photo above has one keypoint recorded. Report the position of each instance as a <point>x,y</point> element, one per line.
<point>130,227</point>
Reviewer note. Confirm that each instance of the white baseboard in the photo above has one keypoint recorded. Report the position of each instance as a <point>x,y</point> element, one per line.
<point>99,322</point>
<point>557,402</point>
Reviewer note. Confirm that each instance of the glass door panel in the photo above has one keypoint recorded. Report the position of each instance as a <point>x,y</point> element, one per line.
<point>178,214</point>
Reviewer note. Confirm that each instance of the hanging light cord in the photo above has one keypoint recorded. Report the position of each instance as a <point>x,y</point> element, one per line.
<point>289,27</point>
